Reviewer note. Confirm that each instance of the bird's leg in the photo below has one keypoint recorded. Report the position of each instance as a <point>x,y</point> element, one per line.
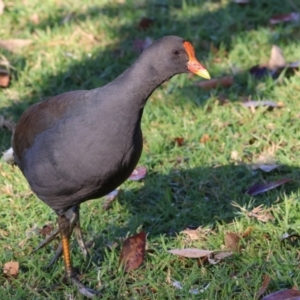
<point>73,215</point>
<point>75,224</point>
<point>64,229</point>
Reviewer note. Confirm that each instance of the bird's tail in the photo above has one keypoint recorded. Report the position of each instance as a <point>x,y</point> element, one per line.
<point>8,156</point>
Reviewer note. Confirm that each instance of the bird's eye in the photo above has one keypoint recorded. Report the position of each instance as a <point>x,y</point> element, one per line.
<point>175,52</point>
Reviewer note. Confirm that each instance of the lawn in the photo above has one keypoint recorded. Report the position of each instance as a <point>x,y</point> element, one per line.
<point>197,181</point>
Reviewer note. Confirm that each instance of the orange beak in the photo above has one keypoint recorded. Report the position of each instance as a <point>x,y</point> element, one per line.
<point>193,64</point>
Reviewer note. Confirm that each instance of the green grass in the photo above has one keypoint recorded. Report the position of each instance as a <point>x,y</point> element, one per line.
<point>192,185</point>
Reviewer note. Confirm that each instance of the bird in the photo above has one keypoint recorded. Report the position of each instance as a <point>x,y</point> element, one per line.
<point>81,145</point>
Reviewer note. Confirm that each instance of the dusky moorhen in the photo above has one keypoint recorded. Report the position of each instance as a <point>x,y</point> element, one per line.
<point>81,145</point>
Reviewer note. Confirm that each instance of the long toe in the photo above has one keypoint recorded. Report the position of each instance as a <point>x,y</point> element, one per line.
<point>47,241</point>
<point>58,253</point>
<point>80,240</point>
<point>87,292</point>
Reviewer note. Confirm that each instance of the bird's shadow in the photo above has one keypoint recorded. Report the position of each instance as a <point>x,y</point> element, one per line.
<point>164,205</point>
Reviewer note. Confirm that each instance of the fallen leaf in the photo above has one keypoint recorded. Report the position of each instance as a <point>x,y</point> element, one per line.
<point>205,138</point>
<point>196,234</point>
<point>145,23</point>
<point>14,45</point>
<point>46,230</point>
<point>3,233</point>
<point>35,19</point>
<point>4,78</point>
<point>277,59</point>
<point>193,234</point>
<point>214,259</point>
<point>291,17</point>
<point>133,251</point>
<point>232,241</point>
<point>288,294</point>
<point>258,212</point>
<point>140,45</point>
<point>265,168</point>
<point>234,155</point>
<point>11,268</point>
<point>226,81</point>
<point>138,174</point>
<point>264,286</point>
<point>247,232</point>
<point>263,103</point>
<point>264,187</point>
<point>241,1</point>
<point>110,198</point>
<point>191,252</point>
<point>223,254</point>
<point>179,141</point>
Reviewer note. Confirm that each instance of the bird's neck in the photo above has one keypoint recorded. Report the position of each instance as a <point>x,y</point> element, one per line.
<point>137,83</point>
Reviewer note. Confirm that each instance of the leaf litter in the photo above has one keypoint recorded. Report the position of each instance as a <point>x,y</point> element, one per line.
<point>267,186</point>
<point>11,269</point>
<point>258,212</point>
<point>275,66</point>
<point>288,294</point>
<point>133,252</point>
<point>14,45</point>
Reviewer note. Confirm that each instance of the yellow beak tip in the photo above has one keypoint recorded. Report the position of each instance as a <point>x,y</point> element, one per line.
<point>203,73</point>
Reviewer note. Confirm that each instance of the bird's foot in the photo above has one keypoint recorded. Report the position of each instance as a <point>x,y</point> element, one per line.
<point>87,292</point>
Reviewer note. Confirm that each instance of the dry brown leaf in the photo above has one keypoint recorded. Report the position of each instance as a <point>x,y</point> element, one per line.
<point>259,188</point>
<point>232,241</point>
<point>264,286</point>
<point>288,294</point>
<point>205,138</point>
<point>277,59</point>
<point>179,141</point>
<point>264,167</point>
<point>46,230</point>
<point>35,19</point>
<point>138,173</point>
<point>214,259</point>
<point>247,232</point>
<point>4,78</point>
<point>235,155</point>
<point>196,234</point>
<point>7,190</point>
<point>258,212</point>
<point>223,254</point>
<point>14,45</point>
<point>226,81</point>
<point>133,251</point>
<point>191,252</point>
<point>241,1</point>
<point>3,232</point>
<point>291,17</point>
<point>193,234</point>
<point>11,268</point>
